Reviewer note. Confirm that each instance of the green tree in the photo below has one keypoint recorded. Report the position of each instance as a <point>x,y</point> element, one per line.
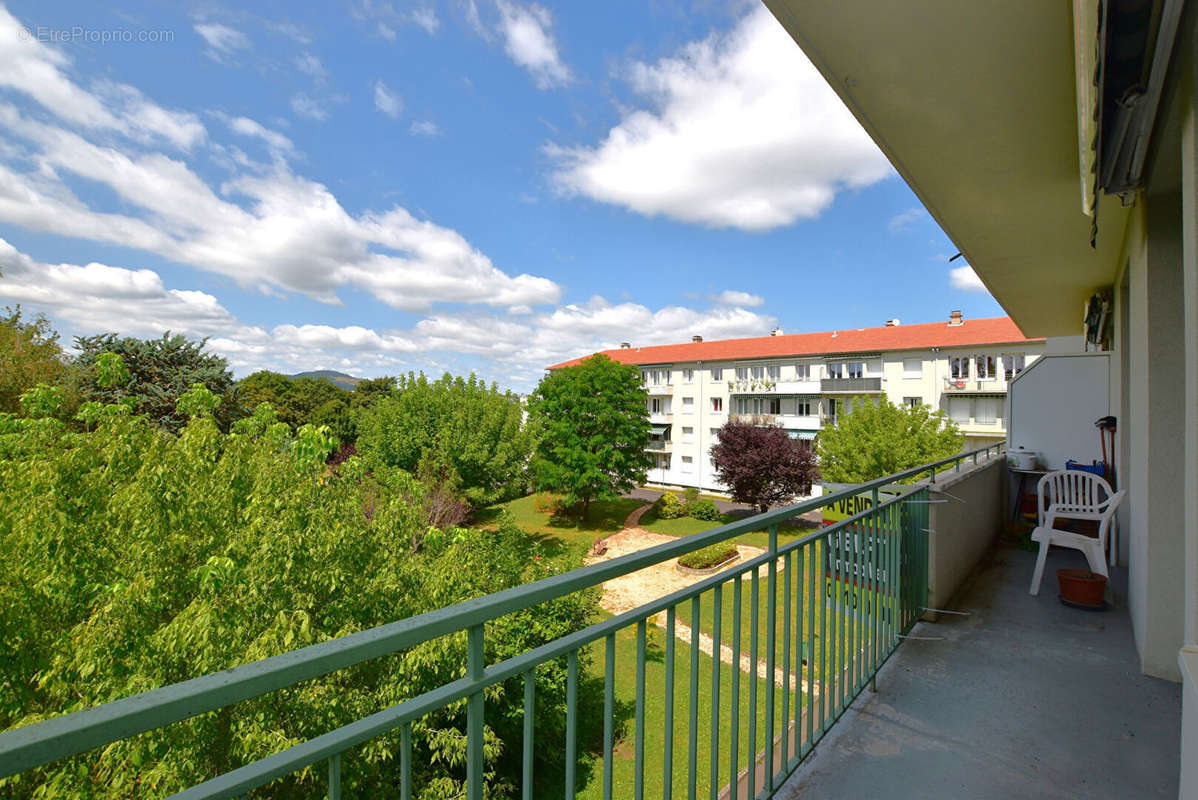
<point>455,423</point>
<point>301,401</point>
<point>878,439</point>
<point>130,559</point>
<point>29,354</point>
<point>158,371</point>
<point>593,424</point>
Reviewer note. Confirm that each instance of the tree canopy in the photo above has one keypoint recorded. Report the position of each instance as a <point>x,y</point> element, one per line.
<point>761,465</point>
<point>301,401</point>
<point>460,430</point>
<point>131,559</point>
<point>29,354</point>
<point>158,371</point>
<point>878,439</point>
<point>592,421</point>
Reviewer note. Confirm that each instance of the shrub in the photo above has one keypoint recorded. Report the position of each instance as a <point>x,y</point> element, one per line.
<point>548,503</point>
<point>708,557</point>
<point>690,494</point>
<point>703,508</point>
<point>668,506</point>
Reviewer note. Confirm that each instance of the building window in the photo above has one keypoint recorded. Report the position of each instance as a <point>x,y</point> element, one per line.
<point>835,371</point>
<point>717,405</point>
<point>958,368</point>
<point>758,373</point>
<point>832,405</point>
<point>1013,365</point>
<point>715,435</point>
<point>644,376</point>
<point>912,367</point>
<point>688,464</point>
<point>688,405</point>
<point>959,409</point>
<point>773,373</point>
<point>803,372</point>
<point>856,369</point>
<point>774,405</point>
<point>688,435</point>
<point>803,407</point>
<point>913,402</point>
<point>657,405</point>
<point>985,366</point>
<point>688,375</point>
<point>987,410</point>
<point>742,373</point>
<point>717,374</point>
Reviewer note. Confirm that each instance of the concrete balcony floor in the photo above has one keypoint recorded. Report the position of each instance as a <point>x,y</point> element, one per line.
<point>1024,698</point>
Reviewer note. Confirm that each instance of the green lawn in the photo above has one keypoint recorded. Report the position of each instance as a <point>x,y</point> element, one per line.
<point>624,760</point>
<point>562,534</point>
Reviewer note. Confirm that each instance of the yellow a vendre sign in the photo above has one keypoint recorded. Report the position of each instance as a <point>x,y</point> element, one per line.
<point>858,558</point>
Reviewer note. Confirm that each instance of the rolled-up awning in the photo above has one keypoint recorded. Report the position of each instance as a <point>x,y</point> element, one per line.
<point>806,435</point>
<point>658,430</point>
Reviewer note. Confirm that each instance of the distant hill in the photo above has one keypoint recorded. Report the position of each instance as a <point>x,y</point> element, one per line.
<point>347,382</point>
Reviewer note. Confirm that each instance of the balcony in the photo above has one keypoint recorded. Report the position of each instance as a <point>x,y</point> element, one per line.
<point>661,417</point>
<point>975,386</point>
<point>659,446</point>
<point>1023,697</point>
<point>808,422</point>
<point>850,385</point>
<point>768,387</point>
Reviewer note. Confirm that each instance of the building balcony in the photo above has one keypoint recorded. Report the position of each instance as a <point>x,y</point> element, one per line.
<point>661,417</point>
<point>974,386</point>
<point>808,422</point>
<point>659,389</point>
<point>659,446</point>
<point>850,385</point>
<point>1023,697</point>
<point>873,695</point>
<point>771,388</point>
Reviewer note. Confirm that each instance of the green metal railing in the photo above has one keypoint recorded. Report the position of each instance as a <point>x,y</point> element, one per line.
<point>836,604</point>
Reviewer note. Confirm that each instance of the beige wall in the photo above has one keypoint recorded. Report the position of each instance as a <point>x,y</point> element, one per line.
<point>964,527</point>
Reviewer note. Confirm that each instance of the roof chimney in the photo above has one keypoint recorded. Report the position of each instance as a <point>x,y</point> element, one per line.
<point>776,332</point>
<point>625,345</point>
<point>696,338</point>
<point>893,323</point>
<point>955,318</point>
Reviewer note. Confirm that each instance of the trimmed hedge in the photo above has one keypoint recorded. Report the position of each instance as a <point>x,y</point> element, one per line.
<point>711,556</point>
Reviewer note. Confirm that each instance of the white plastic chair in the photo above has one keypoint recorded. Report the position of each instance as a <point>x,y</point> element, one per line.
<point>1073,494</point>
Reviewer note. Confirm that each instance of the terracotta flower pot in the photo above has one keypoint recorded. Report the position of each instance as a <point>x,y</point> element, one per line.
<point>1082,588</point>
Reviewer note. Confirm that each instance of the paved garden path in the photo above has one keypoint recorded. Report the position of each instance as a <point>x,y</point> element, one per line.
<point>645,585</point>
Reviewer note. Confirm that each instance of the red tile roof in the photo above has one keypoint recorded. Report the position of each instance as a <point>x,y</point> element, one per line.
<point>970,333</point>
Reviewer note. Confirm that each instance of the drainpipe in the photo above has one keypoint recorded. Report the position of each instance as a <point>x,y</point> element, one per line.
<point>699,415</point>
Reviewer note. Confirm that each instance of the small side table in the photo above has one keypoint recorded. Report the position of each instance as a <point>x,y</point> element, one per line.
<point>1022,476</point>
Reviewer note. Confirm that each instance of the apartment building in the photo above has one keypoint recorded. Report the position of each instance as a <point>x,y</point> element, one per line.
<point>804,382</point>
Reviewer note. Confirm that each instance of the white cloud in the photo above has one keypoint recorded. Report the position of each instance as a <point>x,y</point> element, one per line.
<point>965,279</point>
<point>740,131</point>
<point>35,70</point>
<point>311,66</point>
<point>387,101</point>
<point>425,18</point>
<point>95,298</point>
<point>731,297</point>
<point>424,128</point>
<point>275,141</point>
<point>901,222</point>
<point>527,32</point>
<point>223,41</point>
<point>306,106</point>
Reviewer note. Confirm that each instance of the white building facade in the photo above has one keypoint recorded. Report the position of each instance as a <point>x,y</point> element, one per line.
<point>803,384</point>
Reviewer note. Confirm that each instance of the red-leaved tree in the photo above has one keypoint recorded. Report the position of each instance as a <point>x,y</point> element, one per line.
<point>761,465</point>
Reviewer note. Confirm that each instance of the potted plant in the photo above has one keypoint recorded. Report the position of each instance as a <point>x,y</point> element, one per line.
<point>1082,588</point>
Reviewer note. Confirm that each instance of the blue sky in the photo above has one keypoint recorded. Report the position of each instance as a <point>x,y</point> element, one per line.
<point>478,185</point>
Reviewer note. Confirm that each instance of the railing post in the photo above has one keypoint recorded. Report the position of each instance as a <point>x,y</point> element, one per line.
<point>771,636</point>
<point>474,716</point>
<point>335,777</point>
